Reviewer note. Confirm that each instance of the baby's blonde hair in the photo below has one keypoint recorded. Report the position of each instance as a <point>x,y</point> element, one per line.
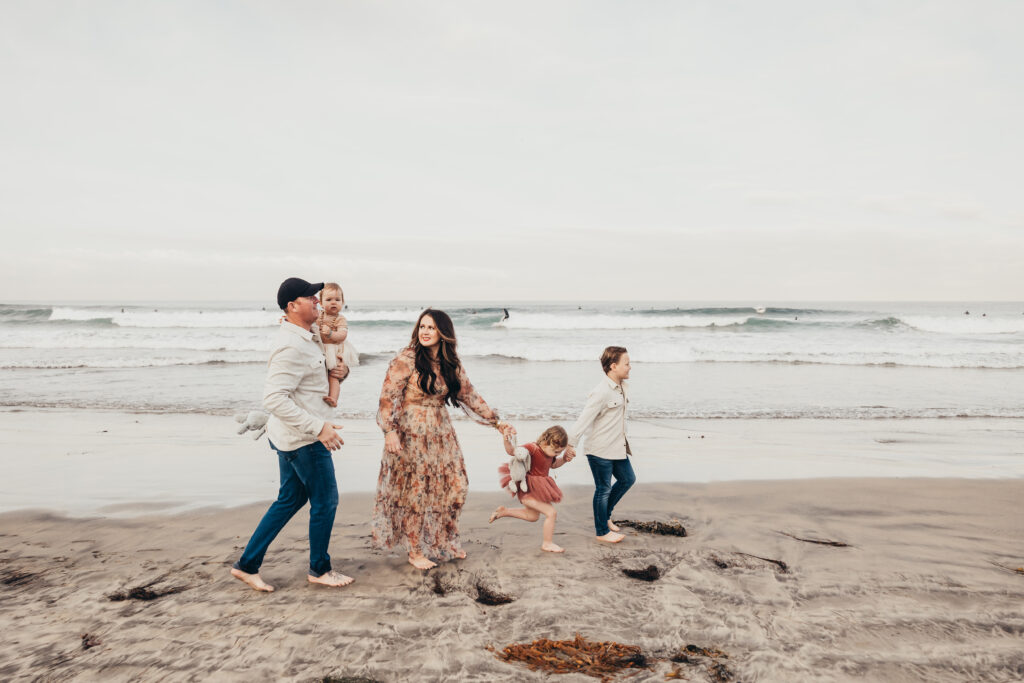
<point>335,287</point>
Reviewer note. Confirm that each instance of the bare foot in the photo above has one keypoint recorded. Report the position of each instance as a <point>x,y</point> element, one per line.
<point>253,580</point>
<point>611,537</point>
<point>331,578</point>
<point>613,526</point>
<point>421,562</point>
<point>497,514</point>
<point>459,554</point>
<point>330,401</point>
<point>552,548</point>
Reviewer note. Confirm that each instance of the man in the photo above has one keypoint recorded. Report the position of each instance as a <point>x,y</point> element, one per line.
<point>303,438</point>
<point>602,426</point>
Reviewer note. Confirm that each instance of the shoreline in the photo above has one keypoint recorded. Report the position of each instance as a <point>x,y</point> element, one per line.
<point>85,462</point>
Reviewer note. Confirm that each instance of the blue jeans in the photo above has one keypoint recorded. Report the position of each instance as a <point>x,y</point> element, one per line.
<point>607,496</point>
<point>307,473</point>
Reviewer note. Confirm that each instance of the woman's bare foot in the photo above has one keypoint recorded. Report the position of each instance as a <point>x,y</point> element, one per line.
<point>331,578</point>
<point>611,537</point>
<point>613,526</point>
<point>552,548</point>
<point>497,514</point>
<point>252,580</point>
<point>421,562</point>
<point>330,401</point>
<point>459,554</point>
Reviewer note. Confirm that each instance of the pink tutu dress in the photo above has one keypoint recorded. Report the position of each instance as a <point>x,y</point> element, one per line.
<point>540,486</point>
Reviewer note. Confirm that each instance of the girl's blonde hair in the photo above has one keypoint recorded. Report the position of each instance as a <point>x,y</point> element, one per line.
<point>335,287</point>
<point>554,436</point>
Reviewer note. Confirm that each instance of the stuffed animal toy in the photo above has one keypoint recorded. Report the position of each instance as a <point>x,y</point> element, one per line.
<point>254,421</point>
<point>518,466</point>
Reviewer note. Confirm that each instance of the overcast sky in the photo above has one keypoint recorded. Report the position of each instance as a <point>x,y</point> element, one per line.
<point>501,151</point>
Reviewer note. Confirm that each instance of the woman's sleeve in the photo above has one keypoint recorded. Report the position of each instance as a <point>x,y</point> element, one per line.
<point>392,394</point>
<point>473,403</point>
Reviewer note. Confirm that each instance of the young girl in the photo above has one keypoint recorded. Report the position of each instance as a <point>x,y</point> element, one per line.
<point>334,334</point>
<point>542,490</point>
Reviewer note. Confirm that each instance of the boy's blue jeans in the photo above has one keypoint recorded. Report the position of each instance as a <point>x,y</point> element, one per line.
<point>307,473</point>
<point>607,496</point>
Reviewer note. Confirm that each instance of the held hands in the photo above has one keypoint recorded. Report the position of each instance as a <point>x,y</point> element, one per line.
<point>393,442</point>
<point>330,438</point>
<point>507,430</point>
<point>569,454</point>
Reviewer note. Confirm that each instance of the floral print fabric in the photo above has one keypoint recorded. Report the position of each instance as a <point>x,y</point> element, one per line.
<point>421,490</point>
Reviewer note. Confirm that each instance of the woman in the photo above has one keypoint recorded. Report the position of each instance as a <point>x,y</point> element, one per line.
<point>422,484</point>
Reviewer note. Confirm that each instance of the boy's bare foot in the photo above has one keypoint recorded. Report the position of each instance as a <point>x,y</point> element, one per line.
<point>330,401</point>
<point>613,526</point>
<point>552,548</point>
<point>331,578</point>
<point>421,562</point>
<point>497,514</point>
<point>253,580</point>
<point>611,537</point>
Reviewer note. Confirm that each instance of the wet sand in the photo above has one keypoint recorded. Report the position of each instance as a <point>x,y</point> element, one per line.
<point>86,462</point>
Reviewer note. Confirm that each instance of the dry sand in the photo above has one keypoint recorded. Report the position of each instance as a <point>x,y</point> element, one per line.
<point>917,596</point>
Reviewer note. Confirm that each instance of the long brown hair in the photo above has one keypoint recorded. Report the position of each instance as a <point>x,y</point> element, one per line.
<point>446,354</point>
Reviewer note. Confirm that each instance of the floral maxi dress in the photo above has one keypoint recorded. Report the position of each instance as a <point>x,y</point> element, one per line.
<point>421,490</point>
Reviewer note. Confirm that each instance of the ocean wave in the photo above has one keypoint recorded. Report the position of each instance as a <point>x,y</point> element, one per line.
<point>609,321</point>
<point>966,325</point>
<point>227,408</point>
<point>383,316</point>
<point>733,310</point>
<point>20,314</point>
<point>142,353</point>
<point>170,318</point>
<point>120,363</point>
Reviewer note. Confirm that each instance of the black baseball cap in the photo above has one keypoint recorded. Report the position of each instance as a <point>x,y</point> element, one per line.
<point>294,288</point>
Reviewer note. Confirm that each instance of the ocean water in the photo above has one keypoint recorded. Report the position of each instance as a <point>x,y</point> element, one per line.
<point>690,360</point>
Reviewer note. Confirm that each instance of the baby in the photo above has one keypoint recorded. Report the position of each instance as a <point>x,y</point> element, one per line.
<point>334,334</point>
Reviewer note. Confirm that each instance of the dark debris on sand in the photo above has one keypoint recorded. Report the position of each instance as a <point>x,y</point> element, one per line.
<point>346,679</point>
<point>145,592</point>
<point>16,577</point>
<point>818,541</point>
<point>439,586</point>
<point>598,659</point>
<point>486,596</point>
<point>708,657</point>
<point>1014,570</point>
<point>661,528</point>
<point>90,641</point>
<point>719,562</point>
<point>781,566</point>
<point>649,573</point>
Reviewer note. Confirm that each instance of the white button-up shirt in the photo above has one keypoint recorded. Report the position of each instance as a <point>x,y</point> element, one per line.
<point>295,388</point>
<point>602,424</point>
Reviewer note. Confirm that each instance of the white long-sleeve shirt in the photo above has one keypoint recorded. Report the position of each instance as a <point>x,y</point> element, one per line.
<point>602,424</point>
<point>295,388</point>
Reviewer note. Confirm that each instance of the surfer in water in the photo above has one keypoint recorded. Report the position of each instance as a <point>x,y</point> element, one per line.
<point>504,316</point>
